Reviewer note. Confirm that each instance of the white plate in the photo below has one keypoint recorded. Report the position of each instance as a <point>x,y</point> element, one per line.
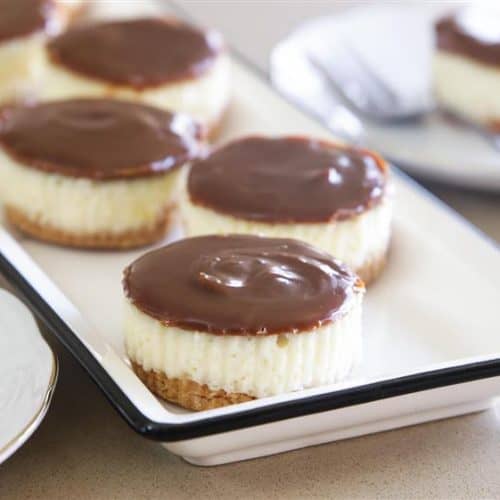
<point>28,374</point>
<point>432,343</point>
<point>397,42</point>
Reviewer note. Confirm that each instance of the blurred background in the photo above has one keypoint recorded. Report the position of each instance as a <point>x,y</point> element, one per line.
<point>255,27</point>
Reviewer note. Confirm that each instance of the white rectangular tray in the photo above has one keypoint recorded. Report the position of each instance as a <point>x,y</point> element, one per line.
<point>431,324</point>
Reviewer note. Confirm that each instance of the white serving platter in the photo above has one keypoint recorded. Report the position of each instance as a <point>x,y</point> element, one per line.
<point>397,42</point>
<point>431,325</point>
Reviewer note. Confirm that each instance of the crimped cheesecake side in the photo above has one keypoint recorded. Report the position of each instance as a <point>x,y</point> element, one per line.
<point>90,206</point>
<point>361,241</point>
<point>256,366</point>
<point>466,87</point>
<point>20,68</point>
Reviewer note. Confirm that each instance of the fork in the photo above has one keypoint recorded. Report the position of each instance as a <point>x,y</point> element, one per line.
<point>365,93</point>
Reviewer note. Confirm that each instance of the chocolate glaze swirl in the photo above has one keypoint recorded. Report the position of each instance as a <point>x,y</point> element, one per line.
<point>139,53</point>
<point>98,138</point>
<point>290,179</point>
<point>473,32</point>
<point>240,285</point>
<point>23,17</point>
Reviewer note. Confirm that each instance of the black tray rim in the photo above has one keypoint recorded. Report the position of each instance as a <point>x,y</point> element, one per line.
<point>308,405</point>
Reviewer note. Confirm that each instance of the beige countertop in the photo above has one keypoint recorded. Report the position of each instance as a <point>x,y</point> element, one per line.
<point>83,449</point>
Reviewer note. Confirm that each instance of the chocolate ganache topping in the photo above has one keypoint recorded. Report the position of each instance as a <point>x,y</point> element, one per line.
<point>290,179</point>
<point>23,17</point>
<point>98,138</point>
<point>240,285</point>
<point>139,53</point>
<point>473,32</point>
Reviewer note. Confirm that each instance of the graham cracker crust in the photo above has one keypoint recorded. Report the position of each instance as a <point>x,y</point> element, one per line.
<point>372,269</point>
<point>186,392</point>
<point>104,240</point>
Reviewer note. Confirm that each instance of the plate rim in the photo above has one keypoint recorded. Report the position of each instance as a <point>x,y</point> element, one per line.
<point>7,450</point>
<point>429,171</point>
<point>246,418</point>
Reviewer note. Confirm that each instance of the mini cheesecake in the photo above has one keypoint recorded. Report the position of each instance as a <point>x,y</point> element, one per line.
<point>24,28</point>
<point>467,64</point>
<point>160,62</point>
<point>216,320</point>
<point>95,173</point>
<point>334,197</point>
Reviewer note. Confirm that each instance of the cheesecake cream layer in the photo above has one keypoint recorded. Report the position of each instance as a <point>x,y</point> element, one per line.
<point>21,67</point>
<point>256,365</point>
<point>204,98</point>
<point>355,241</point>
<point>467,87</point>
<point>85,206</point>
